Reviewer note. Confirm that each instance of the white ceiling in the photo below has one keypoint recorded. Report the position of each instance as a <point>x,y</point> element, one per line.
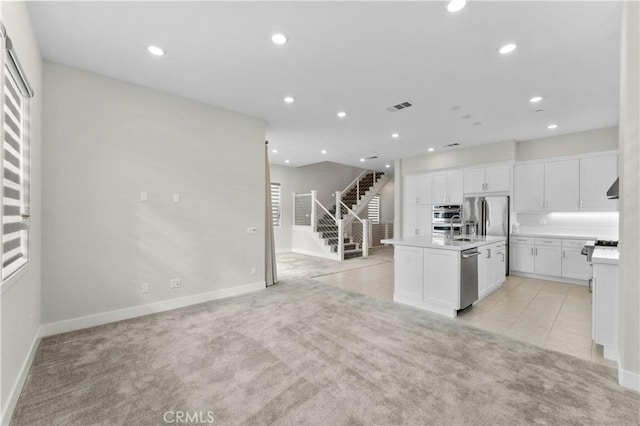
<point>361,57</point>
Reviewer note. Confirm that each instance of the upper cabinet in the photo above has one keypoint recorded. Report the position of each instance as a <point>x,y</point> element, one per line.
<point>529,187</point>
<point>417,190</point>
<point>447,187</point>
<point>562,185</point>
<point>596,176</point>
<point>566,185</point>
<point>487,179</point>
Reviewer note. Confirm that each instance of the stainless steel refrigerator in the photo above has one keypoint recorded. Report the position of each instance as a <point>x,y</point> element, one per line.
<point>487,216</point>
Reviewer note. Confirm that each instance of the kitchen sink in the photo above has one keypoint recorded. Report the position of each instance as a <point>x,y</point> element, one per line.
<point>462,239</point>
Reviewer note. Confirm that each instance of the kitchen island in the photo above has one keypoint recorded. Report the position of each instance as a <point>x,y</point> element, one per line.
<point>434,273</point>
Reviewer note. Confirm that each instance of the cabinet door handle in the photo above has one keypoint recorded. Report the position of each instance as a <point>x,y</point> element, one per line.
<point>417,200</point>
<point>531,251</point>
<point>564,254</point>
<point>488,253</point>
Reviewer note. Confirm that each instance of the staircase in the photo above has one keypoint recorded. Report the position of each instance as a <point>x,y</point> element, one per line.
<point>356,197</point>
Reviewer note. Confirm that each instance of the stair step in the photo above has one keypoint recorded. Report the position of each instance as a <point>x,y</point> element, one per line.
<point>350,246</point>
<point>350,254</point>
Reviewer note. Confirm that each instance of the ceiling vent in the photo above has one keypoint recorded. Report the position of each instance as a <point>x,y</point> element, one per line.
<point>371,158</point>
<point>451,145</point>
<point>403,105</point>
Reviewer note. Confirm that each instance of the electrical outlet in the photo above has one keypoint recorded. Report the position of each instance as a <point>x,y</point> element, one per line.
<point>542,221</point>
<point>144,287</point>
<point>144,197</point>
<point>176,197</point>
<point>253,270</point>
<point>175,283</point>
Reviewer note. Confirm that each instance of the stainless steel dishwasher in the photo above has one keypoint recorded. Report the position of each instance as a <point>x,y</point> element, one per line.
<point>468,277</point>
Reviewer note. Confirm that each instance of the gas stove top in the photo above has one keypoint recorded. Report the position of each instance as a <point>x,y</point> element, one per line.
<point>606,243</point>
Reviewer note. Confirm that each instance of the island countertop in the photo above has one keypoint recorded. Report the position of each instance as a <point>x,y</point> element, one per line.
<point>443,243</point>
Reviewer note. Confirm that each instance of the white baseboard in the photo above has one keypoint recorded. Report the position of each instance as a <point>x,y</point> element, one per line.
<point>14,394</point>
<point>152,308</point>
<point>629,380</point>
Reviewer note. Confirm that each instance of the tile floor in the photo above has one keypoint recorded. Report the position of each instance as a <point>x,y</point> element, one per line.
<point>550,314</point>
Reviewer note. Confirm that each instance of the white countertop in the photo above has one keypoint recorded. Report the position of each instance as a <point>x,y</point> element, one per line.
<point>443,243</point>
<point>610,255</point>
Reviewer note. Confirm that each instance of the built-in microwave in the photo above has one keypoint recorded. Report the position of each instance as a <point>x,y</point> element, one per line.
<point>444,214</point>
<point>447,219</point>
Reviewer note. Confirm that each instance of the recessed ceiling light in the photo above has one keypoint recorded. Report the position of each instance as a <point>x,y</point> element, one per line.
<point>552,126</point>
<point>387,165</point>
<point>362,160</point>
<point>275,151</point>
<point>431,149</point>
<point>507,48</point>
<point>456,5</point>
<point>342,114</point>
<point>324,151</point>
<point>535,99</point>
<point>286,161</point>
<point>155,50</point>
<point>477,123</point>
<point>279,38</point>
<point>395,136</point>
<point>289,99</point>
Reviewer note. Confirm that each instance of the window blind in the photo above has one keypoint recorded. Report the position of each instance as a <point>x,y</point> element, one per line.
<point>276,206</point>
<point>15,95</point>
<point>373,213</point>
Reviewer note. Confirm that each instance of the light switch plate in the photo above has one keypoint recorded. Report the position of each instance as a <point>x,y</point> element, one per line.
<point>251,230</point>
<point>144,197</point>
<point>176,197</point>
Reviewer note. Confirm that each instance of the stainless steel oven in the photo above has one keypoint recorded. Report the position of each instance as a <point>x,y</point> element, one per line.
<point>447,219</point>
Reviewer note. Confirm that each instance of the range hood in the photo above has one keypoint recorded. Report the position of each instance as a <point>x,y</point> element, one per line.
<point>612,193</point>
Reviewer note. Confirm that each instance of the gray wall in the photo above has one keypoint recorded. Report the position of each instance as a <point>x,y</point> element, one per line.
<point>325,177</point>
<point>629,295</point>
<point>597,140</point>
<point>20,299</point>
<point>106,142</point>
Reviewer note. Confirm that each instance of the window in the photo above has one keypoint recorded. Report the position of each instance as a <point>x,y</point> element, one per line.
<point>276,204</point>
<point>14,162</point>
<point>373,213</point>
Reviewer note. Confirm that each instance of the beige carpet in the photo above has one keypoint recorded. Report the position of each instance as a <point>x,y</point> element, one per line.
<point>302,352</point>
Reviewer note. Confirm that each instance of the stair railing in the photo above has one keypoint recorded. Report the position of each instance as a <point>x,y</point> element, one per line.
<point>362,239</point>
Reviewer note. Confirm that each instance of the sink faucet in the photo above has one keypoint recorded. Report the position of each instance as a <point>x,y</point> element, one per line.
<point>451,229</point>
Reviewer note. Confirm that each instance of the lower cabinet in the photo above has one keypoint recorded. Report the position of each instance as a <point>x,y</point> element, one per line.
<point>408,272</point>
<point>574,264</point>
<point>553,257</point>
<point>442,277</point>
<point>491,268</point>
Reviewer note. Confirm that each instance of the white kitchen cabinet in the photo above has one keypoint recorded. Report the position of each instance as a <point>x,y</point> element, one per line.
<point>416,220</point>
<point>487,179</point>
<point>528,189</point>
<point>574,264</point>
<point>562,185</point>
<point>491,268</point>
<point>474,180</point>
<point>597,174</point>
<point>548,256</point>
<point>409,221</point>
<point>410,190</point>
<point>424,189</point>
<point>522,254</point>
<point>447,187</point>
<point>408,272</point>
<point>499,266</point>
<point>442,277</point>
<point>498,178</point>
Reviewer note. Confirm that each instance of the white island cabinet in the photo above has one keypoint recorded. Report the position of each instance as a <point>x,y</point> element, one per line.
<point>427,271</point>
